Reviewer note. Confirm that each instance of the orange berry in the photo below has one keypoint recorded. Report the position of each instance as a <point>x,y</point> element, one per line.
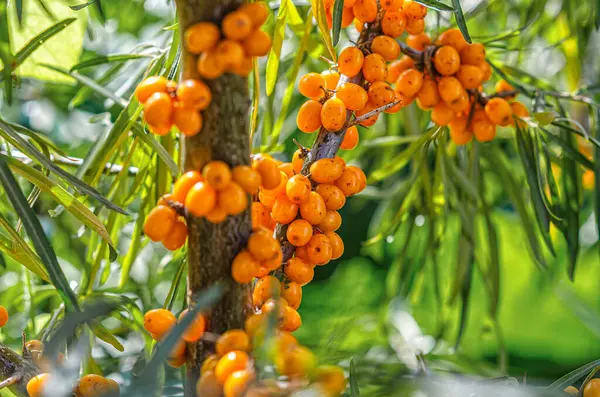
<point>36,385</point>
<point>450,89</point>
<point>348,182</point>
<point>592,388</point>
<point>176,237</point>
<point>418,41</point>
<point>160,130</point>
<point>209,363</point>
<point>313,210</point>
<point>352,95</point>
<point>217,214</point>
<point>392,5</point>
<point>93,385</point>
<point>261,215</point>
<point>385,46</point>
<point>349,3</point>
<point>255,325</point>
<point>332,195</point>
<point>272,264</point>
<point>333,114</point>
<point>266,288</point>
<point>331,79</point>
<point>362,178</point>
<point>187,121</point>
<point>588,179</point>
<point>410,82</point>
<point>287,168</point>
<point>520,111</point>
<point>232,340</point>
<point>244,68</point>
<point>358,25</point>
<point>265,200</point>
<point>470,76</point>
<point>158,109</point>
<point>159,222</point>
<point>401,102</point>
<point>280,189</point>
<point>298,161</point>
<point>458,131</point>
<point>350,61</point>
<point>472,54</point>
<point>483,129</point>
<point>381,94</point>
<point>217,174</point>
<point>183,185</point>
<point>201,199</point>
<point>150,86</point>
<point>319,249</point>
<point>347,15</point>
<point>351,138</point>
<point>309,116</point>
<point>201,37</point>
<point>311,85</point>
<point>233,199</point>
<point>257,12</point>
<point>504,86</point>
<point>499,111</point>
<point>446,60</point>
<point>244,267</point>
<point>196,329</point>
<point>462,105</point>
<point>299,271</point>
<point>337,244</point>
<point>209,65</point>
<point>4,315</point>
<point>412,9</point>
<point>428,97</point>
<point>231,362</point>
<point>374,68</point>
<point>331,222</point>
<point>164,199</point>
<point>331,380</point>
<point>397,67</point>
<point>452,37</point>
<point>365,11</point>
<point>326,170</point>
<point>236,25</point>
<point>159,321</point>
<point>291,320</point>
<point>269,172</point>
<point>230,53</point>
<point>298,189</point>
<point>194,94</point>
<point>442,114</point>
<point>208,385</point>
<point>247,178</point>
<point>368,108</point>
<point>487,71</point>
<point>393,23</point>
<point>299,232</point>
<point>415,26</point>
<point>263,246</point>
<point>284,211</point>
<point>295,362</point>
<point>177,357</point>
<point>237,383</point>
<point>292,293</point>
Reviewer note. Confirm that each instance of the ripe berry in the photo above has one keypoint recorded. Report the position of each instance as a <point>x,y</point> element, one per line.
<point>381,94</point>
<point>418,41</point>
<point>415,26</point>
<point>247,178</point>
<point>472,54</point>
<point>159,222</point>
<point>505,86</point>
<point>326,170</point>
<point>319,249</point>
<point>209,363</point>
<point>360,175</point>
<point>331,222</point>
<point>352,95</point>
<point>365,11</point>
<point>269,172</point>
<point>299,232</point>
<point>450,89</point>
<point>234,339</point>
<point>257,12</point>
<point>150,86</point>
<point>3,316</point>
<point>187,121</point>
<point>486,69</point>
<point>313,210</point>
<point>160,130</point>
<point>371,120</point>
<point>452,37</point>
<point>462,105</point>
<point>333,114</point>
<point>266,288</point>
<point>331,79</point>
<point>244,68</point>
<point>237,383</point>
<point>231,362</point>
<point>183,185</point>
<point>284,211</point>
<point>230,53</point>
<point>176,237</point>
<point>217,214</point>
<point>217,174</point>
<point>458,131</point>
<point>196,329</point>
<point>348,182</point>
<point>158,322</point>
<point>337,244</point>
<point>309,116</point>
<point>331,380</point>
<point>299,271</point>
<point>295,362</point>
<point>201,37</point>
<point>265,200</point>
<point>177,356</point>
<point>261,215</point>
<point>442,114</point>
<point>280,189</point>
<point>332,195</point>
<point>311,85</point>
<point>233,199</point>
<point>158,109</point>
<point>287,168</point>
<point>298,160</point>
<point>412,9</point>
<point>236,25</point>
<point>592,388</point>
<point>392,5</point>
<point>446,60</point>
<point>36,385</point>
<point>499,111</point>
<point>520,111</point>
<point>428,97</point>
<point>410,82</point>
<point>397,67</point>
<point>263,246</point>
<point>292,293</point>
<point>483,129</point>
<point>244,267</point>
<point>374,68</point>
<point>470,76</point>
<point>298,189</point>
<point>358,25</point>
<point>194,94</point>
<point>201,199</point>
<point>393,23</point>
<point>350,61</point>
<point>385,46</point>
<point>209,65</point>
<point>291,320</point>
<point>208,385</point>
<point>350,138</point>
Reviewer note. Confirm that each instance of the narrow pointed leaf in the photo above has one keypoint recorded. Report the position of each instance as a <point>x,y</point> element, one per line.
<point>460,20</point>
<point>318,9</point>
<point>19,7</point>
<point>338,10</point>
<point>435,5</point>
<point>78,7</point>
<point>272,67</point>
<point>40,39</point>
<point>354,390</point>
<point>19,250</point>
<point>104,59</point>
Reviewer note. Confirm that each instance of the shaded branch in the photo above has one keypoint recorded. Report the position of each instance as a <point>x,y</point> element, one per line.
<point>15,371</point>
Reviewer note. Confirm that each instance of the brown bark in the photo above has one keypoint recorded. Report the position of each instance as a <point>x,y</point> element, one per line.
<point>12,364</point>
<point>224,136</point>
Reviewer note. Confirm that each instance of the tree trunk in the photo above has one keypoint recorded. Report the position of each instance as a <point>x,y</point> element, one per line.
<point>224,136</point>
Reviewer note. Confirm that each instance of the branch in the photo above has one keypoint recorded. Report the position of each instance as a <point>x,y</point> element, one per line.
<point>372,113</point>
<point>15,371</point>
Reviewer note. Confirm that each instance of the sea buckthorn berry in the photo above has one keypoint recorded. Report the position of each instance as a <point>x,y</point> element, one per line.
<point>397,67</point>
<point>230,53</point>
<point>280,189</point>
<point>287,168</point>
<point>299,271</point>
<point>201,37</point>
<point>291,320</point>
<point>237,383</point>
<point>452,37</point>
<point>298,189</point>
<point>459,133</point>
<point>217,214</point>
<point>187,121</point>
<point>331,79</point>
<point>381,94</point>
<point>472,54</point>
<point>298,160</point>
<point>296,362</point>
<point>374,68</point>
<point>275,308</point>
<point>365,11</point>
<point>160,130</point>
<point>177,356</point>
<point>269,172</point>
<point>349,3</point>
<point>499,111</point>
<point>93,385</point>
<point>326,170</point>
<point>412,9</point>
<point>470,76</point>
<point>244,267</point>
<point>487,70</point>
<point>362,178</point>
<point>351,138</point>
<point>209,65</point>
<point>428,96</point>
<point>309,116</point>
<point>299,232</point>
<point>247,178</point>
<point>158,109</point>
<point>592,388</point>
<point>217,174</point>
<point>358,25</point>
<point>159,321</point>
<point>113,387</point>
<point>236,25</point>
<point>194,94</point>
<point>208,385</point>
<point>266,288</point>
<point>450,89</point>
<point>201,199</point>
<point>261,215</point>
<point>331,222</point>
<point>352,95</point>
<point>311,85</point>
<point>231,362</point>
<point>183,185</point>
<point>350,61</point>
<point>292,293</point>
<point>285,341</point>
<point>337,245</point>
<point>446,60</point>
<point>520,111</point>
<point>35,386</point>
<point>385,46</point>
<point>256,325</point>
<point>505,86</point>
<point>313,210</point>
<point>392,5</point>
<point>265,200</point>
<point>159,222</point>
<point>233,199</point>
<point>402,101</point>
<point>196,329</point>
<point>415,26</point>
<point>332,195</point>
<point>257,12</point>
<point>302,253</point>
<point>3,316</point>
<point>442,114</point>
<point>244,68</point>
<point>368,121</point>
<point>262,245</point>
<point>483,129</point>
<point>176,237</point>
<point>393,23</point>
<point>331,380</point>
<point>347,16</point>
<point>333,114</point>
<point>418,41</point>
<point>150,86</point>
<point>319,249</point>
<point>348,182</point>
<point>284,211</point>
<point>234,339</point>
<point>571,390</point>
<point>410,82</point>
<point>462,105</point>
<point>209,363</point>
<point>164,199</point>
<point>34,346</point>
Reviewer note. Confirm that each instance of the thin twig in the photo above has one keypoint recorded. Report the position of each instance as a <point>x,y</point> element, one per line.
<point>10,381</point>
<point>372,113</point>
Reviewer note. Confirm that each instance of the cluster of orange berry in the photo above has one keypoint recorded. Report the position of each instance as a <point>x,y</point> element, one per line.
<point>243,40</point>
<point>164,225</point>
<point>91,385</point>
<point>167,103</point>
<point>591,389</point>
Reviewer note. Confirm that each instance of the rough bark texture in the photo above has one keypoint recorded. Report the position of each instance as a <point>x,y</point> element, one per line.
<point>12,364</point>
<point>224,136</point>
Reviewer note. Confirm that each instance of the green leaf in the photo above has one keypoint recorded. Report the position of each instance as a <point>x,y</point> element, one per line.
<point>6,54</point>
<point>338,10</point>
<point>40,39</point>
<point>545,118</point>
<point>460,20</point>
<point>573,376</point>
<point>85,92</point>
<point>172,294</point>
<point>318,10</point>
<point>275,52</point>
<point>104,59</point>
<point>78,7</point>
<point>19,8</point>
<point>255,98</point>
<point>354,391</point>
<point>104,335</point>
<point>435,5</point>
<point>160,150</point>
<point>587,314</point>
<point>36,234</point>
<point>570,150</point>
